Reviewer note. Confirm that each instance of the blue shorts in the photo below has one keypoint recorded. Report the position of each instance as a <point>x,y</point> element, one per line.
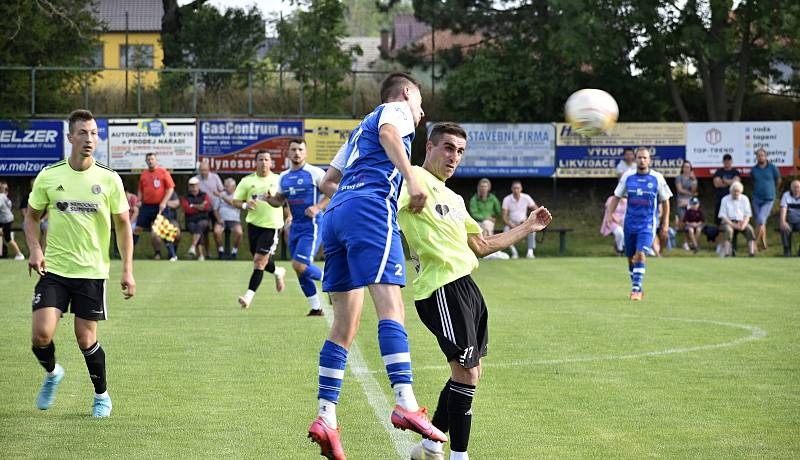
<point>362,246</point>
<point>641,241</point>
<point>303,243</point>
<point>761,209</point>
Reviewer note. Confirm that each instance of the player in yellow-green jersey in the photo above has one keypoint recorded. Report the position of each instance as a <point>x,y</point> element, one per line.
<point>81,197</point>
<point>445,241</point>
<point>263,223</point>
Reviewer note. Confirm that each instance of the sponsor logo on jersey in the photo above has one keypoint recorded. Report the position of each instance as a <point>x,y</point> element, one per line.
<point>78,207</point>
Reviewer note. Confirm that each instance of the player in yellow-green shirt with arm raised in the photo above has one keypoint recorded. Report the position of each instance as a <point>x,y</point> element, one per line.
<point>80,197</point>
<point>445,241</point>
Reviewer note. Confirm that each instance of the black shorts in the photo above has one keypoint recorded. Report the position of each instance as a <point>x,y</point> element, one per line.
<point>6,231</point>
<point>147,214</point>
<point>197,227</point>
<point>262,240</point>
<point>456,314</point>
<point>86,298</point>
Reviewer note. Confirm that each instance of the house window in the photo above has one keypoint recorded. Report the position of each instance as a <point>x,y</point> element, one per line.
<point>138,56</point>
<point>96,60</point>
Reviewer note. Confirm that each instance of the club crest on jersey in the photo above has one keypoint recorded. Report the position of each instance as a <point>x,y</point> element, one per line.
<point>156,183</point>
<point>649,185</point>
<point>299,181</point>
<point>96,189</point>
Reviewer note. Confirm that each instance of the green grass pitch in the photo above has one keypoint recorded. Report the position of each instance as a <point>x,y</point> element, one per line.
<point>707,366</point>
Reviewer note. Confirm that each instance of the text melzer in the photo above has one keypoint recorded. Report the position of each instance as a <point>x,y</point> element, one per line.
<point>28,135</point>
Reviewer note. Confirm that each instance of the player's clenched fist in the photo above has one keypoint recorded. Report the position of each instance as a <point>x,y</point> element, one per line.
<point>539,219</point>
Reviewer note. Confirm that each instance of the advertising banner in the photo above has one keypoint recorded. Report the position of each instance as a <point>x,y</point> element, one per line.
<point>325,136</point>
<point>173,140</point>
<point>101,150</point>
<point>28,146</point>
<point>228,145</point>
<point>508,149</point>
<point>579,156</point>
<point>708,142</point>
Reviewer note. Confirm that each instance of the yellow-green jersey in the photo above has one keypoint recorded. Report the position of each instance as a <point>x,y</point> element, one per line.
<point>79,205</point>
<point>438,235</point>
<point>253,186</point>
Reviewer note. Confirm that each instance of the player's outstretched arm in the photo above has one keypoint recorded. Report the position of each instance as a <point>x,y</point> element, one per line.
<point>122,225</point>
<point>36,260</point>
<point>392,142</point>
<point>482,246</point>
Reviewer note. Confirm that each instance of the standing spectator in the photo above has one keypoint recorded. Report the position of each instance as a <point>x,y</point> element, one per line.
<point>693,222</point>
<point>685,188</point>
<point>155,189</point>
<point>6,221</point>
<point>615,223</point>
<point>484,207</point>
<point>734,215</point>
<point>228,218</point>
<point>723,178</point>
<point>23,207</point>
<point>790,216</point>
<point>766,180</point>
<point>627,163</point>
<point>196,206</point>
<point>515,211</point>
<point>211,185</point>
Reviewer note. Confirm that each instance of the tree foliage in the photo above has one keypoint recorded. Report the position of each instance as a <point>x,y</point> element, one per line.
<point>44,33</point>
<point>536,52</point>
<point>310,46</point>
<point>366,18</point>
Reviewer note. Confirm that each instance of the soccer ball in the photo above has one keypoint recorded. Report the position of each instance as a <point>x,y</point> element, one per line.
<point>591,111</point>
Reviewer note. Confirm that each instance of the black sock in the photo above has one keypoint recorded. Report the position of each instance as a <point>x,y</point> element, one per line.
<point>255,280</point>
<point>459,410</point>
<point>96,363</point>
<point>135,239</point>
<point>440,415</point>
<point>46,356</point>
<point>270,268</point>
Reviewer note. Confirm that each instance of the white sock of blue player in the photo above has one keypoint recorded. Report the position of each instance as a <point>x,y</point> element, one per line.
<point>638,276</point>
<point>332,362</point>
<point>393,342</point>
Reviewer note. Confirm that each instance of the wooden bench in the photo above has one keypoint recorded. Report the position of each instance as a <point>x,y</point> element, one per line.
<point>562,237</point>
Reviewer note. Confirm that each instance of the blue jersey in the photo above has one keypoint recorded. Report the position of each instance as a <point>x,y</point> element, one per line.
<point>301,189</point>
<point>644,192</point>
<point>366,169</point>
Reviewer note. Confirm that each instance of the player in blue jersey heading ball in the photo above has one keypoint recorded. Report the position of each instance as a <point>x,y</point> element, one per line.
<point>363,249</point>
<point>645,189</point>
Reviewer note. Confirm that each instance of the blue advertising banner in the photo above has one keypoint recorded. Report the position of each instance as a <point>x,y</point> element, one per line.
<point>508,149</point>
<point>578,156</point>
<point>28,146</point>
<point>227,145</point>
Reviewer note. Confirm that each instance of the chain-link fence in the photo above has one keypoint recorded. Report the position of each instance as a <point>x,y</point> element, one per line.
<point>55,91</point>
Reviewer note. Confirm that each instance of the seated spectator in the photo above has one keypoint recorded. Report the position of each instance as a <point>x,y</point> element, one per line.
<point>615,224</point>
<point>6,222</point>
<point>196,207</point>
<point>515,211</point>
<point>734,215</point>
<point>484,207</point>
<point>228,218</point>
<point>693,222</point>
<point>790,216</point>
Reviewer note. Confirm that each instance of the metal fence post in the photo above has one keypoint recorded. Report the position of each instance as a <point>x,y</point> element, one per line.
<point>250,92</point>
<point>194,93</point>
<point>139,91</point>
<point>85,93</point>
<point>301,97</point>
<point>33,91</point>
<point>353,95</point>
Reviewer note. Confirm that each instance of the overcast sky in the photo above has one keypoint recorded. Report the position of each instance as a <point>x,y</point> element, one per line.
<point>266,6</point>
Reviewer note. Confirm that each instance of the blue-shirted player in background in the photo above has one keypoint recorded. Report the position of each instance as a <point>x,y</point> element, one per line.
<point>645,189</point>
<point>363,249</point>
<point>299,187</point>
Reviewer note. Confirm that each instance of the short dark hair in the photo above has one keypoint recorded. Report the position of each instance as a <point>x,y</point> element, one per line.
<point>148,155</point>
<point>515,182</point>
<point>297,140</point>
<point>79,115</point>
<point>440,129</point>
<point>726,157</point>
<point>393,83</point>
<point>262,151</point>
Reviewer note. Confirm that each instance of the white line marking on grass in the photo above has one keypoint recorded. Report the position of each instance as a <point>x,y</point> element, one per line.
<point>756,333</point>
<point>380,405</point>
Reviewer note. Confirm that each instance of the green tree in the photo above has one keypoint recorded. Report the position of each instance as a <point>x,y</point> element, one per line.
<point>44,33</point>
<point>366,18</point>
<point>310,46</point>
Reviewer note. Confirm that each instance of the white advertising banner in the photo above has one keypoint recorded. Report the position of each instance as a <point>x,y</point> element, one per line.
<point>173,140</point>
<point>706,143</point>
<point>508,149</point>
